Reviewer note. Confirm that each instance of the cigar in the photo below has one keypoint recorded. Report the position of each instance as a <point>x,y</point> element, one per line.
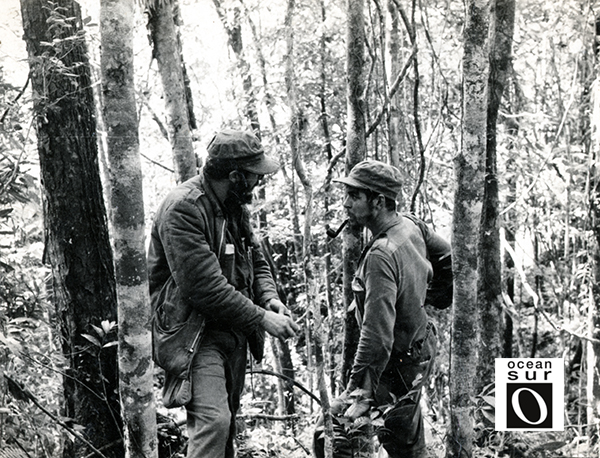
<point>333,234</point>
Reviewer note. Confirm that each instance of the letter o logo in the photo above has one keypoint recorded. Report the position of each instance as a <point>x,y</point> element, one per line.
<point>516,405</point>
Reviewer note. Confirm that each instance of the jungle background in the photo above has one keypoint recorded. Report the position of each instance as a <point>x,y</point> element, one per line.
<point>282,69</point>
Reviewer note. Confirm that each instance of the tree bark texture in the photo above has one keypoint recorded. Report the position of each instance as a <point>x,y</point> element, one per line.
<point>510,223</point>
<point>355,152</point>
<point>136,374</point>
<point>77,242</point>
<point>178,21</point>
<point>394,42</point>
<point>469,169</point>
<point>490,264</point>
<point>168,57</point>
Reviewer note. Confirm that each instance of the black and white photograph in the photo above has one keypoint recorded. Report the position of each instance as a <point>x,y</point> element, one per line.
<point>299,229</point>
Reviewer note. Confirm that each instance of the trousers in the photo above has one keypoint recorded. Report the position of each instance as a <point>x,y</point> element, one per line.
<point>218,372</point>
<point>403,433</point>
<point>398,394</point>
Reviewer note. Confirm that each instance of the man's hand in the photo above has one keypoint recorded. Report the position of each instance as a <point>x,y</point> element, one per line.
<point>275,305</point>
<point>358,408</point>
<point>279,325</point>
<point>351,404</point>
<point>340,404</point>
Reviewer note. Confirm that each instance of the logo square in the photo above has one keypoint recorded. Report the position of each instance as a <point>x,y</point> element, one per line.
<point>529,394</point>
<point>529,405</point>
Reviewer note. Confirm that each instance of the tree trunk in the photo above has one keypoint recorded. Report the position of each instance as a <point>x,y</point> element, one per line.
<point>177,20</point>
<point>136,374</point>
<point>77,242</point>
<point>315,331</point>
<point>168,56</point>
<point>268,97</point>
<point>234,39</point>
<point>327,252</point>
<point>355,152</point>
<point>490,265</point>
<point>409,23</point>
<point>510,222</point>
<point>469,167</point>
<point>394,42</point>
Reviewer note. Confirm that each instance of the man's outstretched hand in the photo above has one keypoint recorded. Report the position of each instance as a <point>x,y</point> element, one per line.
<point>279,325</point>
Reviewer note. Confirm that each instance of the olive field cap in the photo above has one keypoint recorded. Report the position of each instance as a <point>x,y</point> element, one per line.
<point>376,176</point>
<point>244,148</point>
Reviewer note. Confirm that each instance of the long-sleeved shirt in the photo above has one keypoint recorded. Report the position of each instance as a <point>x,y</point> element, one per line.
<point>389,287</point>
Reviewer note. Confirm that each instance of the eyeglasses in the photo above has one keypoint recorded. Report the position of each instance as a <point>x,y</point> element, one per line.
<point>248,176</point>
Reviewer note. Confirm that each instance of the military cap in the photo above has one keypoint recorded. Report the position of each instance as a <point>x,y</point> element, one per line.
<point>243,148</point>
<point>376,176</point>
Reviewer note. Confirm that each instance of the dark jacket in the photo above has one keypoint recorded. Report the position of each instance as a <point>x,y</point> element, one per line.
<point>389,287</point>
<point>189,268</point>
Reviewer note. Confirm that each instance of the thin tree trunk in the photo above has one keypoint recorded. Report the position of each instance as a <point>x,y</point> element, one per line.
<point>510,224</point>
<point>395,66</point>
<point>355,152</point>
<point>269,100</point>
<point>136,374</point>
<point>234,38</point>
<point>490,264</point>
<point>469,167</point>
<point>77,242</point>
<point>281,349</point>
<point>324,115</point>
<point>510,221</point>
<point>170,67</point>
<point>409,24</point>
<point>314,330</point>
<point>186,79</point>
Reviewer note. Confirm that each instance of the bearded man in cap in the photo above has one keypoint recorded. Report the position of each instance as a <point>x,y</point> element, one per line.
<point>397,344</point>
<point>205,267</point>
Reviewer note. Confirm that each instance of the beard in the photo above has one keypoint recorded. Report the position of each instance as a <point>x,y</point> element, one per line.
<point>357,223</point>
<point>352,222</point>
<point>238,194</point>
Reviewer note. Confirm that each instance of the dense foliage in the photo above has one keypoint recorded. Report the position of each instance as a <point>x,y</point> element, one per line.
<point>544,149</point>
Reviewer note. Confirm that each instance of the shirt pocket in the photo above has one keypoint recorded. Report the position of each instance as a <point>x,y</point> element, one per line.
<point>228,262</point>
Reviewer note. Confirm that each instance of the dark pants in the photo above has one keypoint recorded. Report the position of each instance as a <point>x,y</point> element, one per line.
<point>400,386</point>
<point>403,434</point>
<point>218,372</point>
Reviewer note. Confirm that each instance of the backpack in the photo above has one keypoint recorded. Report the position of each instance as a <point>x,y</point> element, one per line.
<point>441,286</point>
